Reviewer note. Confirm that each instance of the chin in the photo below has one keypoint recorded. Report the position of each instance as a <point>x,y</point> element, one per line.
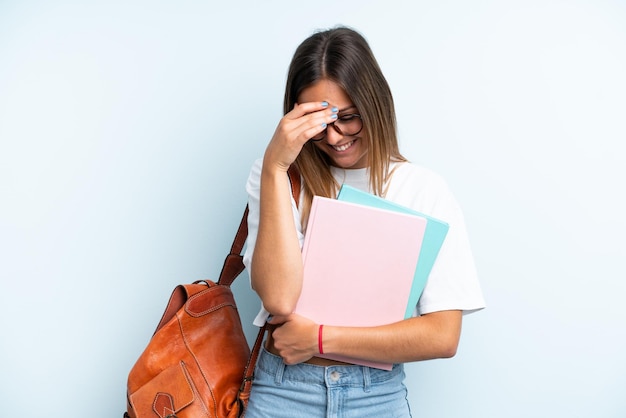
<point>351,163</point>
<point>353,166</point>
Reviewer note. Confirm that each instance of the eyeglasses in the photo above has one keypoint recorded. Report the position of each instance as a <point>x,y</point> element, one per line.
<point>346,125</point>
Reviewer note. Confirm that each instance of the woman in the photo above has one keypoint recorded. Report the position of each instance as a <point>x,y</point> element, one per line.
<point>339,127</point>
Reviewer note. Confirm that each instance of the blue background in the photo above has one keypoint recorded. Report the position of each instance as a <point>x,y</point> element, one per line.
<point>127,129</point>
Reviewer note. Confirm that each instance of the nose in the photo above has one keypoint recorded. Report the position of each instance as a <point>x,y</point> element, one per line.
<point>332,135</point>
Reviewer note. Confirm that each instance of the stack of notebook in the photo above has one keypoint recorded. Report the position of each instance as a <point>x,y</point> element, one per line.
<point>366,261</point>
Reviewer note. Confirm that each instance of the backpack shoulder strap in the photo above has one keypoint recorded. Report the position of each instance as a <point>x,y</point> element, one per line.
<point>233,264</point>
<point>248,377</point>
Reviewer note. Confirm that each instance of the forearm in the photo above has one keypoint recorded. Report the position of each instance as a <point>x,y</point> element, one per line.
<point>276,266</point>
<point>431,336</point>
<point>427,337</point>
<point>276,270</point>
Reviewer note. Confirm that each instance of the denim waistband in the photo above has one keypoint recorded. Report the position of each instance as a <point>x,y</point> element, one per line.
<point>336,375</point>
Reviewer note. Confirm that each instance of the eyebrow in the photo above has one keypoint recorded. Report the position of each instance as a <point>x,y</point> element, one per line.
<point>346,108</point>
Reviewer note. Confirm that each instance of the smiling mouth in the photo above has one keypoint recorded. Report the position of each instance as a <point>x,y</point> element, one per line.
<point>343,147</point>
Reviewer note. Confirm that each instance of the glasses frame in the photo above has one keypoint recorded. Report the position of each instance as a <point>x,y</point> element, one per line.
<point>336,128</point>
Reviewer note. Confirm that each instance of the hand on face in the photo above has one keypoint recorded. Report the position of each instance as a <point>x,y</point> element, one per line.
<point>346,147</point>
<point>303,122</point>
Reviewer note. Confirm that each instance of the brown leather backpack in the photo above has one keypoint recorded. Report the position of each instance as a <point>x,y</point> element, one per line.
<point>198,363</point>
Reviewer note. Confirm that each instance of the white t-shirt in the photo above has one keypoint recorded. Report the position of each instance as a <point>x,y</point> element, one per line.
<point>452,283</point>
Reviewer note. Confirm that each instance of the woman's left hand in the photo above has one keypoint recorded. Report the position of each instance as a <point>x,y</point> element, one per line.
<point>295,338</point>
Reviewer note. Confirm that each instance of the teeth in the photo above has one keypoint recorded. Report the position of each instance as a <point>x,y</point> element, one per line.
<point>344,146</point>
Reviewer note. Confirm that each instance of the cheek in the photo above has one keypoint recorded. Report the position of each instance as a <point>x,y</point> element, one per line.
<point>363,145</point>
<point>319,145</point>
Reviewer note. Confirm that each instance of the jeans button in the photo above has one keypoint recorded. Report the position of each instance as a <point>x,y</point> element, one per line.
<point>335,375</point>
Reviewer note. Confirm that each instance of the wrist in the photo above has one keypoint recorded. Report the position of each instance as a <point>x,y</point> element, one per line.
<point>273,167</point>
<point>320,339</point>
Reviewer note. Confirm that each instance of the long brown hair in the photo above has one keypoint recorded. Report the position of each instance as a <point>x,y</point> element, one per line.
<point>343,56</point>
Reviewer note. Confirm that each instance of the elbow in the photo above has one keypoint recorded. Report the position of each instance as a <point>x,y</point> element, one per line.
<point>275,304</point>
<point>449,350</point>
<point>279,296</point>
<point>278,308</point>
<point>449,345</point>
<point>447,332</point>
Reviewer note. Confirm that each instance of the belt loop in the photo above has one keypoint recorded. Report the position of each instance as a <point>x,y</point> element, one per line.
<point>366,379</point>
<point>280,370</point>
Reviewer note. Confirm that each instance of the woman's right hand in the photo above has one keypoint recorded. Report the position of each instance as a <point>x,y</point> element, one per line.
<point>303,122</point>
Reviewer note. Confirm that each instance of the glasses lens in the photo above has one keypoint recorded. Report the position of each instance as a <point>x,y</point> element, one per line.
<point>346,125</point>
<point>349,124</point>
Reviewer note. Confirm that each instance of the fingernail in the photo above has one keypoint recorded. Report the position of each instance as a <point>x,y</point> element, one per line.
<point>324,125</point>
<point>335,110</point>
<point>333,116</point>
<point>324,104</point>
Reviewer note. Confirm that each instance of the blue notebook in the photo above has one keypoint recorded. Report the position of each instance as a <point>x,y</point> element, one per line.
<point>434,236</point>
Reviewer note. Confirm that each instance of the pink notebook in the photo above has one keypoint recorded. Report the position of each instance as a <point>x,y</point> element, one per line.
<point>359,265</point>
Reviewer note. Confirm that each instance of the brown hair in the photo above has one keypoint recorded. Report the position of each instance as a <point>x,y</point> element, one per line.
<point>343,56</point>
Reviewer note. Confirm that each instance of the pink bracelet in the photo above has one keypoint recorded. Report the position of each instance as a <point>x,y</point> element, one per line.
<point>319,339</point>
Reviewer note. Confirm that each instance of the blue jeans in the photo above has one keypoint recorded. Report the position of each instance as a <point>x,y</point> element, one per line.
<point>305,390</point>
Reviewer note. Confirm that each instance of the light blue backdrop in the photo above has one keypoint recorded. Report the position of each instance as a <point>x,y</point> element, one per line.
<point>127,129</point>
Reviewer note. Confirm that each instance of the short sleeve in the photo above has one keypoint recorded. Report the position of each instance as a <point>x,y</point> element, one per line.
<point>453,282</point>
